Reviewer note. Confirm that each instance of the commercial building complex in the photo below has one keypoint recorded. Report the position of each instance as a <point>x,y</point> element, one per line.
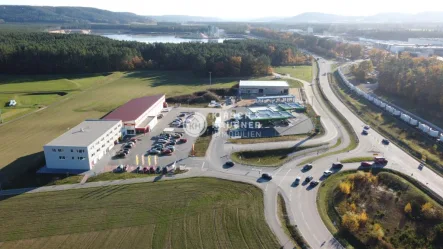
<point>82,146</point>
<point>138,115</point>
<point>249,88</point>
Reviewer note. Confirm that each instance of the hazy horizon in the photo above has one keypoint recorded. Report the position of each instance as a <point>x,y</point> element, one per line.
<point>248,9</point>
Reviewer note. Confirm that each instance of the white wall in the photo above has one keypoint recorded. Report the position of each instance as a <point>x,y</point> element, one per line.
<point>91,154</point>
<point>154,110</point>
<point>71,157</point>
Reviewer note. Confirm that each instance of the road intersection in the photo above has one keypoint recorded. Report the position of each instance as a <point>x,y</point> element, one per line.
<point>300,200</point>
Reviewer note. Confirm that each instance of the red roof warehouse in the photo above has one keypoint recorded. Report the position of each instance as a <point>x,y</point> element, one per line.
<point>138,115</point>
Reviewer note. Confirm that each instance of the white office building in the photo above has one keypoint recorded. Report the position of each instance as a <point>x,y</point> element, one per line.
<point>81,147</point>
<point>263,88</point>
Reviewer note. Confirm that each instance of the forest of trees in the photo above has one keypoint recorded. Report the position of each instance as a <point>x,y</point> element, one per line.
<point>321,46</point>
<point>419,80</point>
<point>43,53</point>
<point>48,14</point>
<point>140,28</point>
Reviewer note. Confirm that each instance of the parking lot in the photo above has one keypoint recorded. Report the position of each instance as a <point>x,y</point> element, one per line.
<point>301,124</point>
<point>145,141</point>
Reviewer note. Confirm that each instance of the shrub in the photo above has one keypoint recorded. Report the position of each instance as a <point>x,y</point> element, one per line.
<point>408,208</point>
<point>345,187</point>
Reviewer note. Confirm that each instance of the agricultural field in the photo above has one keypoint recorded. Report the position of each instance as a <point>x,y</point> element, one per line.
<point>22,139</point>
<point>299,72</point>
<point>195,213</point>
<point>393,213</point>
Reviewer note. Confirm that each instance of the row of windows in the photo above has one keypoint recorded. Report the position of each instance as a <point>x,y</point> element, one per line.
<point>79,158</point>
<point>62,150</point>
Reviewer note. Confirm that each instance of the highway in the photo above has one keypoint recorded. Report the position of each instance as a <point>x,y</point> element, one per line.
<point>300,200</point>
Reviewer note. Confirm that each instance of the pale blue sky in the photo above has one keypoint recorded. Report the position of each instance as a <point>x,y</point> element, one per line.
<point>246,8</point>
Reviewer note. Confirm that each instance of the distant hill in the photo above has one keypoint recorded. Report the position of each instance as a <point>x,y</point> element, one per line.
<point>315,17</point>
<point>184,18</point>
<point>47,14</point>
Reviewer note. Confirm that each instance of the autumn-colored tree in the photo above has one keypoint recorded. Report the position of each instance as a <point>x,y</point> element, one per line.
<point>350,222</point>
<point>428,210</point>
<point>408,208</point>
<point>353,207</point>
<point>377,231</point>
<point>345,187</point>
<point>363,217</point>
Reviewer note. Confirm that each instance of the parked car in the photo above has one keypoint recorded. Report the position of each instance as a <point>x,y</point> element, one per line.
<point>128,146</point>
<point>313,183</point>
<point>182,115</point>
<point>134,140</point>
<point>183,140</point>
<point>176,135</point>
<point>154,152</point>
<point>145,170</point>
<point>166,152</point>
<point>120,154</point>
<point>297,180</point>
<point>160,115</point>
<point>152,169</point>
<point>119,168</point>
<point>126,151</point>
<point>172,143</point>
<point>337,165</point>
<point>307,167</point>
<point>157,147</point>
<point>162,141</point>
<point>266,176</point>
<point>327,173</point>
<point>366,164</point>
<point>309,178</point>
<point>171,148</point>
<point>229,163</point>
<point>385,141</point>
<point>139,169</point>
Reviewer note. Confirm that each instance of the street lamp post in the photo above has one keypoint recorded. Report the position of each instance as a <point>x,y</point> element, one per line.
<point>210,78</point>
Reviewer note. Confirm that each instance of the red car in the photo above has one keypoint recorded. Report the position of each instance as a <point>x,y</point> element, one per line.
<point>152,169</point>
<point>183,140</point>
<point>145,170</point>
<point>166,152</point>
<point>366,164</point>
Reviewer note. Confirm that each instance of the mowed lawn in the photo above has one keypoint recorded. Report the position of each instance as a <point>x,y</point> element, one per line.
<point>191,213</point>
<point>32,93</point>
<point>299,72</point>
<point>22,139</point>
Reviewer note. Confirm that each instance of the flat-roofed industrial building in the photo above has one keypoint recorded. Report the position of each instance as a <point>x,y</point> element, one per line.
<point>81,147</point>
<point>250,88</point>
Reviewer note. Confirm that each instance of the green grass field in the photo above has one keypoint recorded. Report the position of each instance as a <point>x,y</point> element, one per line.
<point>357,159</point>
<point>191,213</point>
<point>272,158</point>
<point>22,139</point>
<point>299,72</point>
<point>267,139</point>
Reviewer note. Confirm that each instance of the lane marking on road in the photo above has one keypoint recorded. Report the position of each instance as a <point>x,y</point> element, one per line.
<point>203,164</point>
<point>290,195</point>
<point>284,177</point>
<point>266,188</point>
<point>276,172</point>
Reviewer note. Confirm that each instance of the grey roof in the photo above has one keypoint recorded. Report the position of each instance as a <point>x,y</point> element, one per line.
<point>84,133</point>
<point>266,83</point>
